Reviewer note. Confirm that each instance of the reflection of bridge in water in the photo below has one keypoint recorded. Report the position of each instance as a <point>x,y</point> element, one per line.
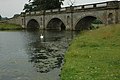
<point>71,18</point>
<point>47,55</point>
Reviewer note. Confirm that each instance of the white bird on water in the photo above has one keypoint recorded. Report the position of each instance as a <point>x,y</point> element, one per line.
<point>41,36</point>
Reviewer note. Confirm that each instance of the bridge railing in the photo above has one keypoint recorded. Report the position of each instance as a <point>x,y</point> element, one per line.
<point>110,4</point>
<point>102,5</point>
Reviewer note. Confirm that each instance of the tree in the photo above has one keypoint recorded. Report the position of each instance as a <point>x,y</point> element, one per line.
<point>71,2</point>
<point>0,17</point>
<point>27,7</point>
<point>37,5</point>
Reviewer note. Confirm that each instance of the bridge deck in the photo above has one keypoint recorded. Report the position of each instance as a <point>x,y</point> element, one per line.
<point>102,5</point>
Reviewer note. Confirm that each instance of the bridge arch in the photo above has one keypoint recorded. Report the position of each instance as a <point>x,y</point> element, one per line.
<point>56,24</point>
<point>85,22</point>
<point>33,24</point>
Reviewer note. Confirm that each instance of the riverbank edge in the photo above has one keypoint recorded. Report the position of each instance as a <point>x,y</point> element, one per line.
<point>94,55</point>
<point>7,26</point>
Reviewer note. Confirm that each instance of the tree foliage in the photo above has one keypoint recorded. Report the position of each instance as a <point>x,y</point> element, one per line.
<point>27,7</point>
<point>0,17</point>
<point>97,22</point>
<point>37,5</point>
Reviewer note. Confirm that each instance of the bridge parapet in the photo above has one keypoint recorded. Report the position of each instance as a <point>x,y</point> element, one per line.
<point>102,5</point>
<point>91,6</point>
<point>113,4</point>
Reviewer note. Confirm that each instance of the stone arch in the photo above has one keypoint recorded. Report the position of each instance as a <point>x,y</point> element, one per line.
<point>33,24</point>
<point>56,24</point>
<point>85,22</point>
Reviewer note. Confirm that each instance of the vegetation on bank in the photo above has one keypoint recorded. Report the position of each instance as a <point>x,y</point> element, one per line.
<point>6,26</point>
<point>94,55</point>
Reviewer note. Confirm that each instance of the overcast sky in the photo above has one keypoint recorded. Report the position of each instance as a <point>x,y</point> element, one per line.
<point>10,7</point>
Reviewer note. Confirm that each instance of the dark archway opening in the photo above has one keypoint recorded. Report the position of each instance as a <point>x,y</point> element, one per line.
<point>63,27</point>
<point>56,24</point>
<point>86,23</point>
<point>33,25</point>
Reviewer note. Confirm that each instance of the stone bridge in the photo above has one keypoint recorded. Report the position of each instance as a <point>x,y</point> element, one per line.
<point>71,18</point>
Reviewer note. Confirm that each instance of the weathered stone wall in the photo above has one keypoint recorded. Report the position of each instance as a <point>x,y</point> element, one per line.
<point>18,20</point>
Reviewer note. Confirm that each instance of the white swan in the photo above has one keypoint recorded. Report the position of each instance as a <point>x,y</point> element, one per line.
<point>41,36</point>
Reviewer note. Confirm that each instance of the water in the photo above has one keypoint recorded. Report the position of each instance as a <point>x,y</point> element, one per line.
<point>24,56</point>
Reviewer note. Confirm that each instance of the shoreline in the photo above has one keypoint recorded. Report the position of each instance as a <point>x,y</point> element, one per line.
<point>7,26</point>
<point>94,55</point>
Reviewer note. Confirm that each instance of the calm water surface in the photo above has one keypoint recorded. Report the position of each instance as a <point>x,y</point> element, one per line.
<point>24,56</point>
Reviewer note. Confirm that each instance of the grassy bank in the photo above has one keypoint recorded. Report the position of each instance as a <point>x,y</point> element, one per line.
<point>94,55</point>
<point>6,26</point>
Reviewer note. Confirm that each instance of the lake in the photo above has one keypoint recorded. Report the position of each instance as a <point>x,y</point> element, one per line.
<point>25,56</point>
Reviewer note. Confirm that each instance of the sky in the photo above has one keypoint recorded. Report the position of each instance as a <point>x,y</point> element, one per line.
<point>10,7</point>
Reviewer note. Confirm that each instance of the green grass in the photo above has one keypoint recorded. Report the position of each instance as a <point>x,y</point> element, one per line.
<point>94,55</point>
<point>6,26</point>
